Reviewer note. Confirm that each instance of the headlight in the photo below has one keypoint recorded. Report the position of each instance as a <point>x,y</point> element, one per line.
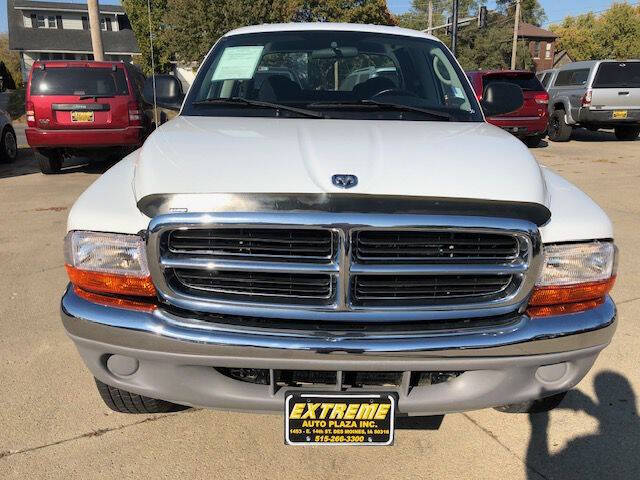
<point>108,263</point>
<point>574,277</point>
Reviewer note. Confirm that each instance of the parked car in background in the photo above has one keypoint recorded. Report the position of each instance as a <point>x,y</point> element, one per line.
<point>8,143</point>
<point>595,94</point>
<point>87,108</point>
<point>530,121</point>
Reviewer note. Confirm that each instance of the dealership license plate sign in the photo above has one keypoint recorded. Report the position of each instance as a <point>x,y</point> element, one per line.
<point>82,116</point>
<point>313,418</point>
<point>619,114</point>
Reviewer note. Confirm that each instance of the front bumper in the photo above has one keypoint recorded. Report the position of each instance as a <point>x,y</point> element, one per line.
<point>174,357</point>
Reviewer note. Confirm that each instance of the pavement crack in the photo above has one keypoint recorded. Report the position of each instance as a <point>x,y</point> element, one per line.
<point>630,300</point>
<point>506,447</point>
<point>94,433</point>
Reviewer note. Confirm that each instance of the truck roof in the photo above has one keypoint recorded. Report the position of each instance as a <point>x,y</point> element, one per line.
<point>323,26</point>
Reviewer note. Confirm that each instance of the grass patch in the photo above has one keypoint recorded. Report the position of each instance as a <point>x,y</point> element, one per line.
<point>15,106</point>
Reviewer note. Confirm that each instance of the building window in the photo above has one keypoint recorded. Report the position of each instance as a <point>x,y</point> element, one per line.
<point>547,51</point>
<point>52,22</point>
<point>105,24</point>
<point>40,20</point>
<point>536,49</point>
<point>85,23</point>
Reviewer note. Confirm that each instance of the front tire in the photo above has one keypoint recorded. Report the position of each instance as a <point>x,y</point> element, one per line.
<point>8,145</point>
<point>50,162</point>
<point>627,133</point>
<point>126,402</point>
<point>540,405</point>
<point>559,130</point>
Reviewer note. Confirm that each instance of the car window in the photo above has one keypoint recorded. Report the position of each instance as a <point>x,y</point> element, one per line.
<point>527,82</point>
<point>310,68</point>
<point>546,79</point>
<point>78,81</point>
<point>572,77</point>
<point>618,75</point>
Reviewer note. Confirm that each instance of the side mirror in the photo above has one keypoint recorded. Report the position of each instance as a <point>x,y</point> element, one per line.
<point>169,93</point>
<point>500,98</point>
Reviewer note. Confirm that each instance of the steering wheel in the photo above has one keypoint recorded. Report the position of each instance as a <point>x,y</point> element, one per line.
<point>394,91</point>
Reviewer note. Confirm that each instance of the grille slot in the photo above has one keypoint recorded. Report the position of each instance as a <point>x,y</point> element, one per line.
<point>391,289</point>
<point>314,244</point>
<point>425,245</point>
<point>284,285</point>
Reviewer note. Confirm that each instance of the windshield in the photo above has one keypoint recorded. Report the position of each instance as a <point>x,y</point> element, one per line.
<point>79,81</point>
<point>340,74</point>
<point>617,75</point>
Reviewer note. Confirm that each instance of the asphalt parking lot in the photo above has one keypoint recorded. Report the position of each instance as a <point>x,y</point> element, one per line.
<point>53,424</point>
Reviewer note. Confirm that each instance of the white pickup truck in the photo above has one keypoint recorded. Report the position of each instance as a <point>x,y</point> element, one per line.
<point>291,238</point>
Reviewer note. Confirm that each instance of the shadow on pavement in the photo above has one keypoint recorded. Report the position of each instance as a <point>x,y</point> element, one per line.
<point>26,164</point>
<point>584,135</point>
<point>419,423</point>
<point>613,452</point>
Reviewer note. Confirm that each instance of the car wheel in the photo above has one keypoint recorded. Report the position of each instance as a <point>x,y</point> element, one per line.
<point>50,163</point>
<point>627,133</point>
<point>559,130</point>
<point>9,145</point>
<point>540,405</point>
<point>126,402</point>
<point>533,141</point>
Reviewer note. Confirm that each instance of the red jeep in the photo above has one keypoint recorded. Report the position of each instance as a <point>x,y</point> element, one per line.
<point>530,121</point>
<point>86,108</point>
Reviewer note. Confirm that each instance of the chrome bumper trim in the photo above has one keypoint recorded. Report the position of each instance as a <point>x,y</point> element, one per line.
<point>163,332</point>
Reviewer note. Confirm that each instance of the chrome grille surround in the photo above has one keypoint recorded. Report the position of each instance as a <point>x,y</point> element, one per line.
<point>342,266</point>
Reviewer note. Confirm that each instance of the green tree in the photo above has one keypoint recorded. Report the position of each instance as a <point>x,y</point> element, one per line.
<point>530,10</point>
<point>12,75</point>
<point>417,17</point>
<point>614,34</point>
<point>139,17</point>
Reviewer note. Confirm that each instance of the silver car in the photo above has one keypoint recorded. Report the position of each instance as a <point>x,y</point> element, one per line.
<point>594,94</point>
<point>8,144</point>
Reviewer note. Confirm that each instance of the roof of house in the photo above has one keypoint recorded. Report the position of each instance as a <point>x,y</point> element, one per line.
<point>64,6</point>
<point>531,31</point>
<point>64,40</point>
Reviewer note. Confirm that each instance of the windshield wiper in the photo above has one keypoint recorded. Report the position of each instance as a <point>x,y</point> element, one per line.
<point>95,97</point>
<point>257,103</point>
<point>383,105</point>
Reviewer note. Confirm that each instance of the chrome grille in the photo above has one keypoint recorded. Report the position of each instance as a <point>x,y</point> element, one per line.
<point>284,285</point>
<point>424,245</point>
<point>344,267</point>
<point>399,289</point>
<point>253,242</point>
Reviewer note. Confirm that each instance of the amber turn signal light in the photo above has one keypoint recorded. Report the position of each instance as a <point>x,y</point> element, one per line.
<point>100,282</point>
<point>561,299</point>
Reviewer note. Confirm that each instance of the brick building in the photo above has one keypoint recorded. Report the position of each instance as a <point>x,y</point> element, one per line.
<point>541,44</point>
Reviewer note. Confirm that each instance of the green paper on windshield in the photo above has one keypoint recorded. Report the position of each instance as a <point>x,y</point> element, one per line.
<point>238,63</point>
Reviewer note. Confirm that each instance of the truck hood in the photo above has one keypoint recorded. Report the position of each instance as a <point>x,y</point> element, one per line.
<point>204,155</point>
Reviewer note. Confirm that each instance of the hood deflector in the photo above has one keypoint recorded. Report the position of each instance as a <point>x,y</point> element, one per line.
<point>160,204</point>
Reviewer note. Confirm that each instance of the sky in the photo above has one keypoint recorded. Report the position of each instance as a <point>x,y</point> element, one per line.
<point>556,9</point>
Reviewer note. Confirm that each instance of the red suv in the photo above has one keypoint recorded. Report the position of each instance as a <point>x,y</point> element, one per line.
<point>530,121</point>
<point>87,108</point>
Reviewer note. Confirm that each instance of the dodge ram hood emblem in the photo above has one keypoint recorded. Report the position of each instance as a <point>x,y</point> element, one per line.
<point>344,181</point>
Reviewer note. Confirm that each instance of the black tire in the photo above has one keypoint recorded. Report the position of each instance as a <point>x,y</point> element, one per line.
<point>533,141</point>
<point>545,404</point>
<point>627,133</point>
<point>559,130</point>
<point>126,402</point>
<point>50,162</point>
<point>8,145</point>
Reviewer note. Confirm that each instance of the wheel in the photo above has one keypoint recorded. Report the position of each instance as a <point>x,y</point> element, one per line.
<point>627,133</point>
<point>50,162</point>
<point>545,404</point>
<point>559,130</point>
<point>126,402</point>
<point>533,141</point>
<point>9,145</point>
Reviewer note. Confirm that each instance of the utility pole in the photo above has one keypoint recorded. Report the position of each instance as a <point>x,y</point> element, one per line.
<point>430,19</point>
<point>514,47</point>
<point>454,27</point>
<point>94,26</point>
